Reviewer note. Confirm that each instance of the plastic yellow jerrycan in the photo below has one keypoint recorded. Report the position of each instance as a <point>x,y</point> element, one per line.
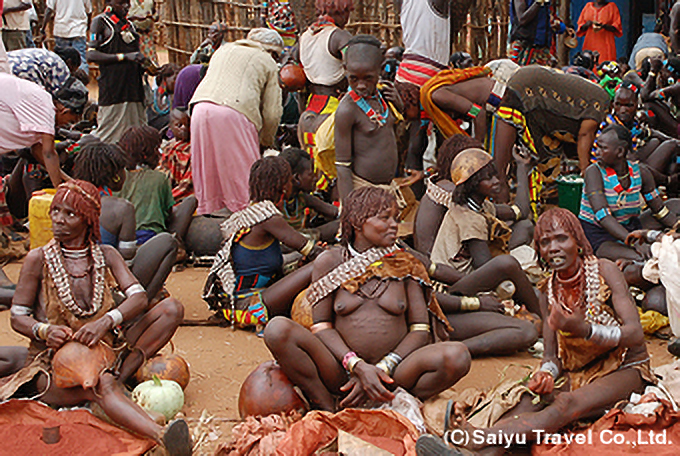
<point>39,221</point>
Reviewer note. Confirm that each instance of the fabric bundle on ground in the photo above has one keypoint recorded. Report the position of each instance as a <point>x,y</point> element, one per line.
<point>21,430</point>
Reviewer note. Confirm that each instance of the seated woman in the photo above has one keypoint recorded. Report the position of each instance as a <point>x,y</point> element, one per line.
<point>592,335</point>
<point>462,257</point>
<point>371,329</point>
<point>149,190</point>
<point>613,196</point>
<point>438,194</point>
<point>239,286</point>
<point>103,165</point>
<point>64,294</point>
<point>301,198</point>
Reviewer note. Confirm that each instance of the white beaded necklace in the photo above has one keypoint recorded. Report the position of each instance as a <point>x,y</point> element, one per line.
<point>75,254</point>
<point>54,255</point>
<point>594,311</point>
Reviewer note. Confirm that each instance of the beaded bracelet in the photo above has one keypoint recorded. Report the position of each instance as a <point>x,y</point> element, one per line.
<point>474,111</point>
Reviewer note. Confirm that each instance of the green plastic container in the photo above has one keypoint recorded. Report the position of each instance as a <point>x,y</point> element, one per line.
<point>569,190</point>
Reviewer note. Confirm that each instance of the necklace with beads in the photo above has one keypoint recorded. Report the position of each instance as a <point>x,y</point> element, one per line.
<point>588,279</point>
<point>54,255</point>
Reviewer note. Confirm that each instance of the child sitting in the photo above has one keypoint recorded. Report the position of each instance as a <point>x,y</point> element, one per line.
<point>296,207</point>
<point>149,190</point>
<point>176,159</point>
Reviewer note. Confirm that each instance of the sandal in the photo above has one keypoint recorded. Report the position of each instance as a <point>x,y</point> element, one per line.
<point>177,439</point>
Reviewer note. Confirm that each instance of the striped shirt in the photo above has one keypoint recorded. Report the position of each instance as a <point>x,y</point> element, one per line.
<point>623,204</point>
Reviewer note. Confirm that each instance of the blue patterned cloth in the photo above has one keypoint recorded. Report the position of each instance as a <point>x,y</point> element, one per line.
<point>41,66</point>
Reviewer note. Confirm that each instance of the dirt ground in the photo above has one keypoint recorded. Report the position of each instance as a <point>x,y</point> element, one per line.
<point>220,359</point>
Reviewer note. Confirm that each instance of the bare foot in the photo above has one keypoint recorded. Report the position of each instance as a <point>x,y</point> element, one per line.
<point>458,425</point>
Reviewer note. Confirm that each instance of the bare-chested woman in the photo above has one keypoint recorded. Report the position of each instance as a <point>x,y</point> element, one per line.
<point>64,295</point>
<point>592,337</point>
<point>371,329</point>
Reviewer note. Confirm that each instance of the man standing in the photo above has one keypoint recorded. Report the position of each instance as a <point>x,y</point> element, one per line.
<point>531,34</point>
<point>114,46</point>
<point>71,20</point>
<point>16,22</point>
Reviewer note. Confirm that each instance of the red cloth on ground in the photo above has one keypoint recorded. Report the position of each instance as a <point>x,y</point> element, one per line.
<point>633,430</point>
<point>383,428</point>
<point>21,428</point>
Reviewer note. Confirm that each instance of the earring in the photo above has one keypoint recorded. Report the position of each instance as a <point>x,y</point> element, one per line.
<point>115,179</point>
<point>580,251</point>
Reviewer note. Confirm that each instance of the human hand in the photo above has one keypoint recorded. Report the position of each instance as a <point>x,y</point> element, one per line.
<point>490,304</point>
<point>587,25</point>
<point>523,155</point>
<point>136,57</point>
<point>412,176</point>
<point>40,38</point>
<point>644,250</point>
<point>541,383</point>
<point>58,335</point>
<point>372,380</point>
<point>356,396</point>
<point>91,333</point>
<point>572,324</point>
<point>636,237</point>
<point>390,93</point>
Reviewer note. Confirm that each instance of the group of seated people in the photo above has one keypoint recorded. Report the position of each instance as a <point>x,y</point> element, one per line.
<point>363,309</point>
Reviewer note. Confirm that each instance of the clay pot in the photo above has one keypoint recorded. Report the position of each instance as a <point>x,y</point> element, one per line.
<point>204,237</point>
<point>268,391</point>
<point>292,77</point>
<point>166,367</point>
<point>75,364</point>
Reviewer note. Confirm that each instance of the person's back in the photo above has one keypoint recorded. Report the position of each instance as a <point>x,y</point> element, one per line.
<point>70,17</point>
<point>151,194</point>
<point>426,31</point>
<point>41,66</point>
<point>238,75</point>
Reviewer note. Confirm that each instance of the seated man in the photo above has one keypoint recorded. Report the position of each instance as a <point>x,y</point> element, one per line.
<point>592,335</point>
<point>371,331</point>
<point>64,295</point>
<point>614,192</point>
<point>650,146</point>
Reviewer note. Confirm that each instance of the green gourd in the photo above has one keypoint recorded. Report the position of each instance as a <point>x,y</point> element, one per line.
<point>162,396</point>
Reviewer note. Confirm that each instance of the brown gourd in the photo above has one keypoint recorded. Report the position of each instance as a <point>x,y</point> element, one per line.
<point>75,364</point>
<point>166,367</point>
<point>268,391</point>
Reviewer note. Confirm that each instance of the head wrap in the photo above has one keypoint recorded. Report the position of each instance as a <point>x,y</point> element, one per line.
<point>269,39</point>
<point>73,95</point>
<point>84,198</point>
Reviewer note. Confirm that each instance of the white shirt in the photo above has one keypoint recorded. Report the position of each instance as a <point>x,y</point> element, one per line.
<point>19,20</point>
<point>425,32</point>
<point>70,17</point>
<point>26,112</point>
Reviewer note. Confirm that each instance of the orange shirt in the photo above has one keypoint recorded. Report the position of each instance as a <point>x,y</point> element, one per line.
<point>601,40</point>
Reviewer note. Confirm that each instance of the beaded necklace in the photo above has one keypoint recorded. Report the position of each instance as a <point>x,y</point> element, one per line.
<point>105,191</point>
<point>54,256</point>
<point>591,282</point>
<point>364,105</point>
